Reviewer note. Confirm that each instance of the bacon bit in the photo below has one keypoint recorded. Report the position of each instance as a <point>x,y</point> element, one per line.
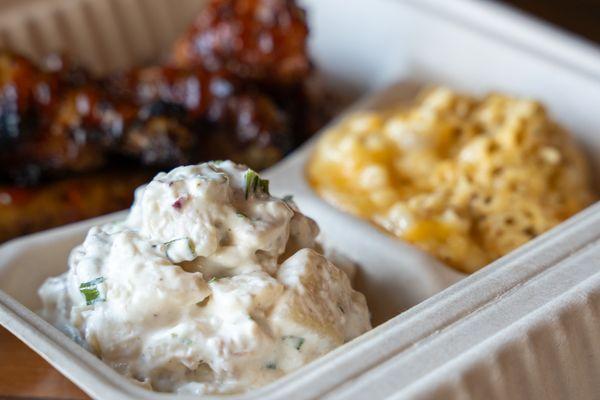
<point>178,204</point>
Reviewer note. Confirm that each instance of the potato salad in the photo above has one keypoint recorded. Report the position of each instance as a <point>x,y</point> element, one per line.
<point>210,285</point>
<point>465,179</point>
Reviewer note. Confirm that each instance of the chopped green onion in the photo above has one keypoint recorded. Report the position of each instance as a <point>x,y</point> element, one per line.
<point>90,291</point>
<point>294,341</point>
<point>288,197</point>
<point>241,215</point>
<point>271,365</point>
<point>91,295</point>
<point>93,282</point>
<point>264,186</point>
<point>254,184</point>
<point>213,279</point>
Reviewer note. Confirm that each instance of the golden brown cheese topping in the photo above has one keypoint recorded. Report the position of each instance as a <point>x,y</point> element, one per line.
<point>465,179</point>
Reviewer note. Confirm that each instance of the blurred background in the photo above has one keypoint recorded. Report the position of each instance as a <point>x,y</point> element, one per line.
<point>581,17</point>
<point>578,16</point>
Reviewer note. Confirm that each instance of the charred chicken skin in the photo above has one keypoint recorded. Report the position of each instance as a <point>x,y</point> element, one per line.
<point>260,40</point>
<point>234,87</point>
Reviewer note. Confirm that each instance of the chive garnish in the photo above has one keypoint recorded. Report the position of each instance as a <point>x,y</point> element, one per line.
<point>90,291</point>
<point>271,365</point>
<point>295,341</point>
<point>254,184</point>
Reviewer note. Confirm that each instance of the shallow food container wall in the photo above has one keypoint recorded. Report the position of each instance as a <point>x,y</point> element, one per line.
<point>104,35</point>
<point>365,48</point>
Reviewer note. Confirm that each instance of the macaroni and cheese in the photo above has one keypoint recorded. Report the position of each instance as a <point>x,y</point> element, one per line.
<point>465,179</point>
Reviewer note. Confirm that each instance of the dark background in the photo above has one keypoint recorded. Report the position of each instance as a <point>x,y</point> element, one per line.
<point>581,17</point>
<point>578,16</point>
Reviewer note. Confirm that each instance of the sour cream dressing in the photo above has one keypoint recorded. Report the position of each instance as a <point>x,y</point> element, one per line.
<point>211,285</point>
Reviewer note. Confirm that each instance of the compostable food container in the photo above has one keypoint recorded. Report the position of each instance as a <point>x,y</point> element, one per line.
<point>526,326</point>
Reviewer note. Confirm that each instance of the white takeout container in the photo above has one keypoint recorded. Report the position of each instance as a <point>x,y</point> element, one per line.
<point>526,326</point>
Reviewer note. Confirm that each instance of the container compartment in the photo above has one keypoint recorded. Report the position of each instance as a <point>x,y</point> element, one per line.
<point>361,49</point>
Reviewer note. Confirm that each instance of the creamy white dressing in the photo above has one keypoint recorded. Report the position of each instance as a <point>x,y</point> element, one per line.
<point>210,285</point>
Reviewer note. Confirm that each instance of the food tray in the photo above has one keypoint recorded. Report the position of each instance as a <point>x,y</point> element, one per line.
<point>526,326</point>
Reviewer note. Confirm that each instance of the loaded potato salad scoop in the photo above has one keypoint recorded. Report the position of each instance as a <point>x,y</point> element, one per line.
<point>210,285</point>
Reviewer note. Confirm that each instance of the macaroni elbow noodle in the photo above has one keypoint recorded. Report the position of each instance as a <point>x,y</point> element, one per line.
<point>465,179</point>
